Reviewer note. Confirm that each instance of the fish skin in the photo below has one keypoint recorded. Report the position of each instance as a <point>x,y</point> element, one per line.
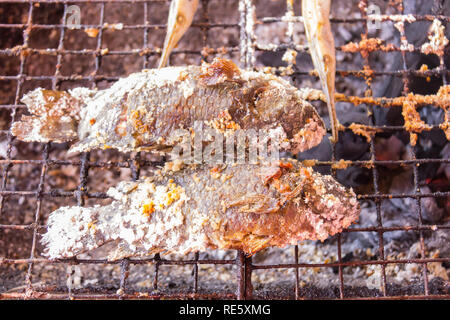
<point>144,111</point>
<point>180,18</point>
<point>316,18</point>
<point>245,207</point>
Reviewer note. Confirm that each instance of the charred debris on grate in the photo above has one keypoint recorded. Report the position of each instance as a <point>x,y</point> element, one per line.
<point>400,168</point>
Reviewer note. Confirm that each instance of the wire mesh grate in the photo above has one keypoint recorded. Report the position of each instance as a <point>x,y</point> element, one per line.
<point>246,50</point>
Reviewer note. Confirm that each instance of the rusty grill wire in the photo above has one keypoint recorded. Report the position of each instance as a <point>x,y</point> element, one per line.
<point>244,264</point>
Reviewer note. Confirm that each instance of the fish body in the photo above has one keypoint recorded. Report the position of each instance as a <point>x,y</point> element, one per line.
<point>144,111</point>
<point>321,41</point>
<point>181,14</point>
<point>246,207</point>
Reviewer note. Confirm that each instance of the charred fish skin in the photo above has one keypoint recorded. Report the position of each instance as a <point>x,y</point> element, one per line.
<point>144,111</point>
<point>245,207</point>
<point>181,14</point>
<point>316,18</point>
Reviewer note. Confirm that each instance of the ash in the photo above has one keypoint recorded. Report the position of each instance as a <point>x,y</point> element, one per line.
<point>359,279</point>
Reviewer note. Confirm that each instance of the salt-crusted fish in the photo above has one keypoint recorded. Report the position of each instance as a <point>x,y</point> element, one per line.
<point>181,14</point>
<point>246,207</point>
<point>316,18</point>
<point>144,111</point>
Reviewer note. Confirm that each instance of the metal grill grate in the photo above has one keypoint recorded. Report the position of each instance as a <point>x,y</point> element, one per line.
<point>247,49</point>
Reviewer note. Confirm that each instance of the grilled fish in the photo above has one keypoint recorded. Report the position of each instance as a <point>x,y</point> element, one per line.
<point>145,111</point>
<point>181,14</point>
<point>321,41</point>
<point>245,207</point>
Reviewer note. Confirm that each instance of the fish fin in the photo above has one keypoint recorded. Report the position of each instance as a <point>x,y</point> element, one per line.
<point>274,171</point>
<point>321,42</point>
<point>254,243</point>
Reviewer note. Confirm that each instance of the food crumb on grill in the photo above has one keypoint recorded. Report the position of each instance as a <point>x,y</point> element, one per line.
<point>223,123</point>
<point>413,138</point>
<point>154,104</point>
<point>409,103</point>
<point>404,44</point>
<point>424,68</point>
<point>402,278</point>
<point>91,225</point>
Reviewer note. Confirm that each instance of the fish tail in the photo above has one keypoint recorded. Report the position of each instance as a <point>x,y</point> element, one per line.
<point>333,118</point>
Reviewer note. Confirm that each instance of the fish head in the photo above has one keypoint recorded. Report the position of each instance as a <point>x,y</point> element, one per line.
<point>298,204</point>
